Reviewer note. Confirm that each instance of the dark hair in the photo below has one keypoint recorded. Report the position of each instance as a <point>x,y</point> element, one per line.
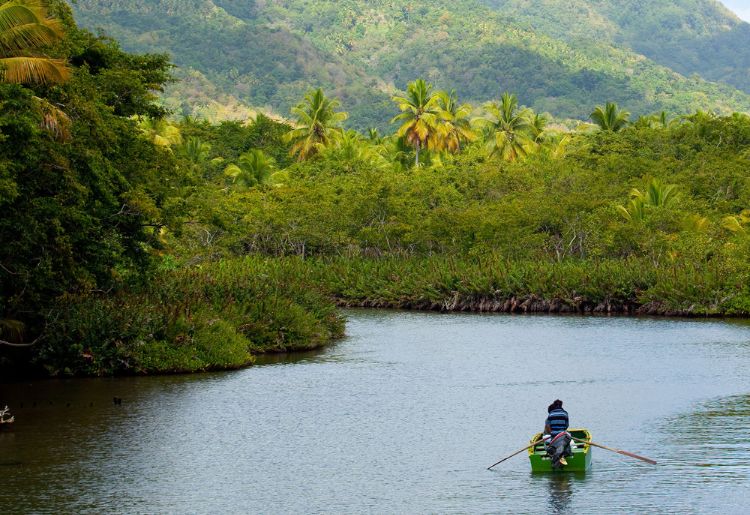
<point>555,405</point>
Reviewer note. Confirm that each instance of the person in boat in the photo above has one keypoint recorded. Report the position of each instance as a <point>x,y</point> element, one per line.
<point>557,438</point>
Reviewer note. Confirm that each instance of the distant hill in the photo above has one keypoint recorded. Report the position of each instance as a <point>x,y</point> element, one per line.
<point>689,36</point>
<point>559,56</point>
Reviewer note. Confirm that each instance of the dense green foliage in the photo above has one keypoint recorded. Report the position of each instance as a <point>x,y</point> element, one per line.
<point>75,204</point>
<point>689,36</point>
<point>473,202</point>
<point>87,195</point>
<point>492,283</point>
<point>557,57</point>
<point>650,217</point>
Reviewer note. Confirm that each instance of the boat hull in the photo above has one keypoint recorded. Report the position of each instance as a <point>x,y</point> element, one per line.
<point>579,462</point>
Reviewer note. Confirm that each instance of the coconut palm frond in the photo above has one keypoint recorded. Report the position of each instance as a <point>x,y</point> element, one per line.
<point>28,36</point>
<point>610,117</point>
<point>420,118</point>
<point>25,27</point>
<point>23,70</point>
<point>509,129</point>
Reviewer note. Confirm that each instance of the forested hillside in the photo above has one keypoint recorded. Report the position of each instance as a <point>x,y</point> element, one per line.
<point>560,57</point>
<point>689,36</point>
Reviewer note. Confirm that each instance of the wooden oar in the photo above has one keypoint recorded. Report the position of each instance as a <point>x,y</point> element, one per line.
<point>517,452</point>
<point>618,451</point>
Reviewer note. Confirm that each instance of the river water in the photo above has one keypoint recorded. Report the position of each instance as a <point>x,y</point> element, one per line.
<point>403,416</point>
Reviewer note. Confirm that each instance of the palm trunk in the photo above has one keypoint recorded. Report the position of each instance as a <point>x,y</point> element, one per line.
<point>416,155</point>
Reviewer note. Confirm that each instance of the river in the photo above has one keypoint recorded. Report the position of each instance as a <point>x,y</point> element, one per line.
<point>403,416</point>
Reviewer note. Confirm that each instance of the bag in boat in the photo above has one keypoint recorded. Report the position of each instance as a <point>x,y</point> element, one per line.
<point>559,447</point>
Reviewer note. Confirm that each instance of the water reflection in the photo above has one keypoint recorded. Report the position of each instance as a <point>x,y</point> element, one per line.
<point>560,488</point>
<point>290,358</point>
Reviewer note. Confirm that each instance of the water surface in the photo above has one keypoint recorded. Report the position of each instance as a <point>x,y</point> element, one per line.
<point>403,416</point>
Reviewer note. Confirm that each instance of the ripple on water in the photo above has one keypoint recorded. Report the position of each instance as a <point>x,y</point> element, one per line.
<point>713,441</point>
<point>403,416</point>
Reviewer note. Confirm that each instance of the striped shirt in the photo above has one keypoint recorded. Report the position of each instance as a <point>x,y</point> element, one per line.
<point>557,420</point>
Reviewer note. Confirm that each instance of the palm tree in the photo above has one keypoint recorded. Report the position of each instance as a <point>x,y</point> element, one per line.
<point>510,129</point>
<point>252,168</point>
<point>318,124</point>
<point>656,195</point>
<point>420,117</point>
<point>659,120</point>
<point>25,28</point>
<point>701,121</point>
<point>397,152</point>
<point>455,123</point>
<point>352,148</point>
<point>555,143</point>
<point>194,150</point>
<point>635,211</point>
<point>538,124</point>
<point>160,132</point>
<point>610,118</point>
<point>663,119</point>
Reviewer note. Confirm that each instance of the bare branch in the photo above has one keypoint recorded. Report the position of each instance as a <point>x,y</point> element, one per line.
<point>7,270</point>
<point>19,345</point>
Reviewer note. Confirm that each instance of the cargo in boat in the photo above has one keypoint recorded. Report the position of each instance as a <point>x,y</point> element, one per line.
<point>580,460</point>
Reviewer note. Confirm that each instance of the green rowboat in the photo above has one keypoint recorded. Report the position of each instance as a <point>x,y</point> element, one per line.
<point>579,462</point>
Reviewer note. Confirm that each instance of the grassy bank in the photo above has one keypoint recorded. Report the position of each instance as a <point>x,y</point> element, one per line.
<point>493,284</point>
<point>216,316</point>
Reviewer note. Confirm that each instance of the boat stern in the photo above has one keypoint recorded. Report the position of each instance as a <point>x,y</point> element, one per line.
<point>580,461</point>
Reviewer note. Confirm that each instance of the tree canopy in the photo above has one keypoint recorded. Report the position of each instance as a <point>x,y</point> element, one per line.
<point>79,212</point>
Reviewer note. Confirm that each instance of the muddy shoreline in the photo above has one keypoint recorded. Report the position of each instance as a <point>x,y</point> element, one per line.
<point>532,304</point>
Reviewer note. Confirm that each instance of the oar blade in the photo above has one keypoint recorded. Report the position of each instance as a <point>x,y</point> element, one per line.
<point>642,458</point>
<point>618,451</point>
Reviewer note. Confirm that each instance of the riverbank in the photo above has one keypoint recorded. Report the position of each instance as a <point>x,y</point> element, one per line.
<point>219,316</point>
<point>535,305</point>
<point>215,316</point>
<point>493,284</point>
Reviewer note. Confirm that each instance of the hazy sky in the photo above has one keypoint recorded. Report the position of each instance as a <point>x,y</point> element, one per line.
<point>741,7</point>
